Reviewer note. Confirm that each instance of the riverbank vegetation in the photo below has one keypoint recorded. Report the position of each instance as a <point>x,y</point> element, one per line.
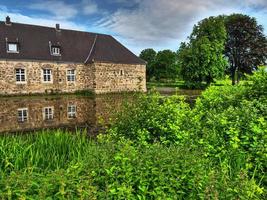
<point>157,148</point>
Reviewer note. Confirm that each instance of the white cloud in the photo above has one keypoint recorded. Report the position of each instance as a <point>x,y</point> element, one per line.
<point>62,10</point>
<point>260,4</point>
<point>59,9</point>
<point>89,7</point>
<point>37,20</point>
<point>161,23</point>
<point>127,3</point>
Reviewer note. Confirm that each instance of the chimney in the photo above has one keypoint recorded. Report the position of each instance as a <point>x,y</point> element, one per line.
<point>57,27</point>
<point>8,21</point>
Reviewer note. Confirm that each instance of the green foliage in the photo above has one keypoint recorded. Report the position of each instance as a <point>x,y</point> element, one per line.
<point>257,85</point>
<point>165,65</point>
<point>232,121</point>
<point>105,169</point>
<point>153,118</point>
<point>202,58</point>
<point>149,55</point>
<point>161,65</point>
<point>228,123</point>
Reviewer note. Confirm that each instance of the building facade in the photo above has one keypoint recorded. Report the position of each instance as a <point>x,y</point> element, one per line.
<point>36,59</point>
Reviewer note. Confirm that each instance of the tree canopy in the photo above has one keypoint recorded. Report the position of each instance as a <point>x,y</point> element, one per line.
<point>165,65</point>
<point>246,46</point>
<point>161,65</point>
<point>202,59</point>
<point>148,55</point>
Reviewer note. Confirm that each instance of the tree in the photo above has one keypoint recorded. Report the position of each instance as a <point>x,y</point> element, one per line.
<point>246,46</point>
<point>165,65</point>
<point>202,58</point>
<point>148,55</point>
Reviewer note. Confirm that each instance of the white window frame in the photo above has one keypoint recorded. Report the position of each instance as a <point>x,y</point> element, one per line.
<point>44,74</point>
<point>48,113</point>
<point>20,74</point>
<point>72,111</point>
<point>12,50</point>
<point>55,51</point>
<point>71,76</point>
<point>24,115</point>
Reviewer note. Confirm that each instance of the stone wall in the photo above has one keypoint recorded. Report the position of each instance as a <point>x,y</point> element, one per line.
<point>111,77</point>
<point>97,77</point>
<point>34,78</point>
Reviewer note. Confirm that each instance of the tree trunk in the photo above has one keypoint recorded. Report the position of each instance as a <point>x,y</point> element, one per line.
<point>209,80</point>
<point>233,76</point>
<point>238,77</point>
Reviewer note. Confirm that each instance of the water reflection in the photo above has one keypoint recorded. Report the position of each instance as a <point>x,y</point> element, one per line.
<point>70,112</point>
<point>34,113</point>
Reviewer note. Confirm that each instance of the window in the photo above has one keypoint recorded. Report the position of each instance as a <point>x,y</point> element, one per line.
<point>72,111</point>
<point>20,75</point>
<point>71,75</point>
<point>47,75</point>
<point>22,115</point>
<point>48,113</point>
<point>55,51</point>
<point>12,48</point>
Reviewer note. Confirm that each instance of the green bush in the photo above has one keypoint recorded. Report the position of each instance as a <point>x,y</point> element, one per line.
<point>234,119</point>
<point>107,170</point>
<point>227,122</point>
<point>153,118</point>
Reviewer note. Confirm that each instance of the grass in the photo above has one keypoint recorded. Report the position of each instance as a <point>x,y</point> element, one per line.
<point>182,85</point>
<point>178,84</point>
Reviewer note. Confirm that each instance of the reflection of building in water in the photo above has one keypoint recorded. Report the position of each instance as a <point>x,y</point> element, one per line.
<point>36,113</point>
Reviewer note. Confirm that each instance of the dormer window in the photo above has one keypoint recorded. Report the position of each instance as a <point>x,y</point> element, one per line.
<point>55,51</point>
<point>12,47</point>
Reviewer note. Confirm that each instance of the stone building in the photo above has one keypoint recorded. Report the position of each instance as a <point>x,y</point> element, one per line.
<point>36,59</point>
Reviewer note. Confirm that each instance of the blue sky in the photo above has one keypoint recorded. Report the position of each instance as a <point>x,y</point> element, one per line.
<point>138,24</point>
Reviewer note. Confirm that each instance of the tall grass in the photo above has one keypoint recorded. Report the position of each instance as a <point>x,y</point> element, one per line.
<point>47,150</point>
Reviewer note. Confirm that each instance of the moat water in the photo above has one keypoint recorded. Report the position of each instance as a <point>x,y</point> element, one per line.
<point>27,114</point>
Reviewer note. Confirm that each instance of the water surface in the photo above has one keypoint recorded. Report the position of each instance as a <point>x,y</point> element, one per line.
<point>26,114</point>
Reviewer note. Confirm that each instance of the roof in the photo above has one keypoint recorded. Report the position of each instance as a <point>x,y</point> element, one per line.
<point>75,46</point>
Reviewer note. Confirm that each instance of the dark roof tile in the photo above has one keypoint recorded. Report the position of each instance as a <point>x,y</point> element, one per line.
<point>75,45</point>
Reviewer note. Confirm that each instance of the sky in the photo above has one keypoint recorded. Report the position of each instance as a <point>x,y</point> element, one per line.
<point>138,24</point>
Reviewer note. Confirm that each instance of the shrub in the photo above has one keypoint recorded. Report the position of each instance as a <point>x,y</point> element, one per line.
<point>226,121</point>
<point>153,118</point>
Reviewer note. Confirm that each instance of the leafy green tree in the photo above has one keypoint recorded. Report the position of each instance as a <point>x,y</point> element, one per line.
<point>202,58</point>
<point>149,55</point>
<point>246,46</point>
<point>165,65</point>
